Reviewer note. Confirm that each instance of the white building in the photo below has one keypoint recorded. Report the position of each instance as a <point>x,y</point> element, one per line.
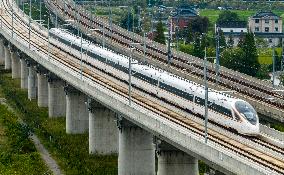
<point>232,29</point>
<point>268,26</point>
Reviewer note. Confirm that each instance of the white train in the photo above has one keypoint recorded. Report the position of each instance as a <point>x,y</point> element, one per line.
<point>223,109</point>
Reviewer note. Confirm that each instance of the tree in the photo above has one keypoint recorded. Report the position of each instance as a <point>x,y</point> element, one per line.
<point>232,58</point>
<point>282,79</point>
<point>197,50</point>
<point>244,58</point>
<point>199,24</point>
<point>196,27</point>
<point>186,48</point>
<point>277,63</point>
<point>201,41</point>
<point>127,21</point>
<point>261,43</point>
<point>189,34</point>
<point>250,59</point>
<point>160,36</point>
<point>263,71</point>
<point>241,39</point>
<point>222,42</point>
<point>226,16</point>
<point>230,41</point>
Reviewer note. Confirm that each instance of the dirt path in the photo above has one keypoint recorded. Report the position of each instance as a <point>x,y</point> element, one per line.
<point>45,155</point>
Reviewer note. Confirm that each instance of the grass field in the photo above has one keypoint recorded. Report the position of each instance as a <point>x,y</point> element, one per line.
<point>265,55</point>
<point>17,153</point>
<point>70,151</point>
<point>243,14</point>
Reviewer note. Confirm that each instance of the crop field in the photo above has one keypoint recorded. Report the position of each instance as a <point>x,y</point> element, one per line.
<point>265,55</point>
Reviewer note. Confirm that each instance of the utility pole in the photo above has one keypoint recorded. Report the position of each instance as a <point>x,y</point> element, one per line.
<point>48,36</point>
<point>110,18</point>
<point>103,36</point>
<point>139,18</point>
<point>40,4</point>
<point>206,97</point>
<point>76,16</point>
<point>282,60</point>
<point>144,46</point>
<point>152,23</point>
<point>177,31</point>
<point>273,67</point>
<point>133,16</point>
<point>128,19</point>
<point>56,20</point>
<point>12,21</point>
<point>169,43</point>
<point>217,54</point>
<point>64,9</point>
<point>81,56</point>
<point>23,5</point>
<point>18,2</point>
<point>30,18</point>
<point>129,76</point>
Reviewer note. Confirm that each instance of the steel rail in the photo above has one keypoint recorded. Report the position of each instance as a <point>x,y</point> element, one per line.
<point>138,98</point>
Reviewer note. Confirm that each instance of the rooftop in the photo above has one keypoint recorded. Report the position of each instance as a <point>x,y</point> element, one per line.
<point>265,14</point>
<point>233,24</point>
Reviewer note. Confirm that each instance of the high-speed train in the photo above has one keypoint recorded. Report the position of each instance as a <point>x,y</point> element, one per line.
<point>223,109</point>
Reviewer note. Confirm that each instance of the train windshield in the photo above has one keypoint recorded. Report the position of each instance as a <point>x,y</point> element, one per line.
<point>247,110</point>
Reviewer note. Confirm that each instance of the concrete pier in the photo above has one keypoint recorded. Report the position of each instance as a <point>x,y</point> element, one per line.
<point>16,65</point>
<point>24,74</point>
<point>7,58</point>
<point>2,54</point>
<point>172,161</point>
<point>103,131</point>
<point>56,97</point>
<point>136,151</point>
<point>32,83</point>
<point>77,116</point>
<point>42,92</point>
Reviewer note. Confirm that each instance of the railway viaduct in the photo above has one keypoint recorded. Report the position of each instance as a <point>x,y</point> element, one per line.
<point>95,103</point>
<point>267,100</point>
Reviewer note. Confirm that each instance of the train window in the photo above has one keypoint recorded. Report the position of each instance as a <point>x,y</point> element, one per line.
<point>247,111</point>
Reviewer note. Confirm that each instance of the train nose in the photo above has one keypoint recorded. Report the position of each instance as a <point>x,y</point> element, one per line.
<point>255,130</point>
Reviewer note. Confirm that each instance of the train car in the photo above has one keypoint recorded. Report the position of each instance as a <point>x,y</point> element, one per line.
<point>223,109</point>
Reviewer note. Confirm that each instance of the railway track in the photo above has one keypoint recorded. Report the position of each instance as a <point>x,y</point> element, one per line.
<point>89,71</point>
<point>245,85</point>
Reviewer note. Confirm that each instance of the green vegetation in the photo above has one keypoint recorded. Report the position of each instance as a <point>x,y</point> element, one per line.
<point>203,168</point>
<point>278,126</point>
<point>160,36</point>
<point>265,55</point>
<point>227,16</point>
<point>70,151</point>
<point>35,11</point>
<point>282,79</point>
<point>213,14</point>
<point>127,21</point>
<point>243,58</point>
<point>17,153</point>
